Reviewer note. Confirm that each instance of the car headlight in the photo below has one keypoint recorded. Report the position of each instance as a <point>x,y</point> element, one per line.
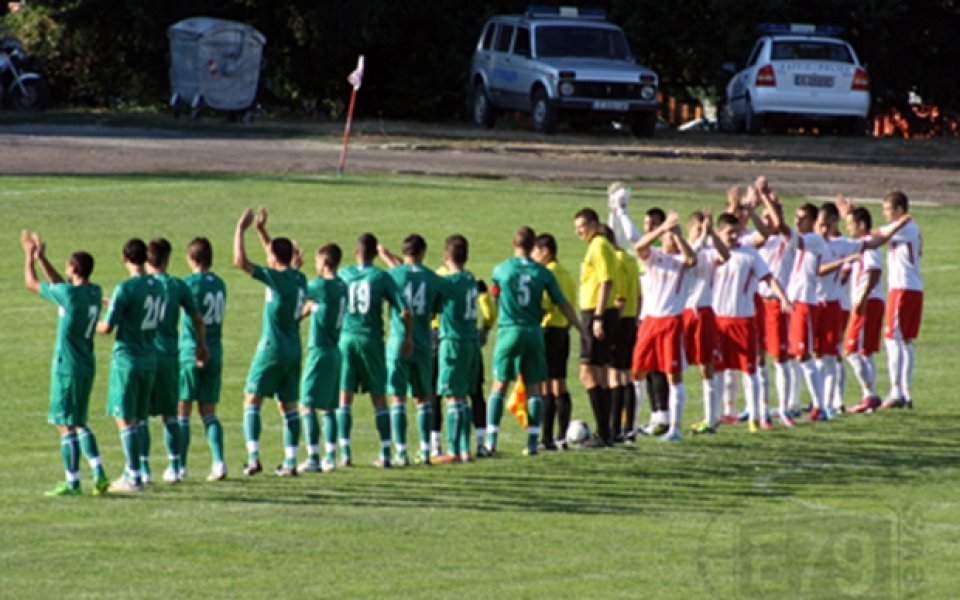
<point>648,92</point>
<point>567,88</point>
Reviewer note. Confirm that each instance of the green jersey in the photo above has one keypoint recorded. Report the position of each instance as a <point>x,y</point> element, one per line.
<point>458,319</point>
<point>421,288</point>
<point>368,287</point>
<point>176,295</point>
<point>519,284</point>
<point>210,296</point>
<point>329,303</point>
<point>134,312</point>
<point>79,312</point>
<point>286,293</point>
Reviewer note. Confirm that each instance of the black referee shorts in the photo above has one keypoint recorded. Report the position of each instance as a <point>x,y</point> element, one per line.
<point>593,351</point>
<point>557,342</point>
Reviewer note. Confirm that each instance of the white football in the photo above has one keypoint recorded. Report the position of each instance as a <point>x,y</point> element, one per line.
<point>578,432</point>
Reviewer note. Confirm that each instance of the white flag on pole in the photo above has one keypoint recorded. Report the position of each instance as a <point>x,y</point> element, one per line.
<point>356,78</point>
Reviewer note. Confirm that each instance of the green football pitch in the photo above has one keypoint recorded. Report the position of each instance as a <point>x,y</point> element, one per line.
<point>862,507</point>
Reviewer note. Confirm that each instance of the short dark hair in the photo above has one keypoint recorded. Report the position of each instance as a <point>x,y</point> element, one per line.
<point>523,238</point>
<point>608,233</point>
<point>282,249</point>
<point>82,263</point>
<point>863,216</point>
<point>200,251</point>
<point>657,215</point>
<point>696,216</point>
<point>367,246</point>
<point>810,210</point>
<point>829,211</point>
<point>332,253</point>
<point>546,241</point>
<point>458,248</point>
<point>413,245</point>
<point>158,252</point>
<point>135,251</point>
<point>587,214</point>
<point>897,199</point>
<point>727,220</point>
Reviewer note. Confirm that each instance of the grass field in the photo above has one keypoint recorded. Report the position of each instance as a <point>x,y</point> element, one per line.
<point>863,507</point>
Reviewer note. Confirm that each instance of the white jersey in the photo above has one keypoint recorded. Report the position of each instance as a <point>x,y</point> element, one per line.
<point>829,286</point>
<point>778,252</point>
<point>802,285</point>
<point>663,284</point>
<point>869,262</point>
<point>747,237</point>
<point>903,258</point>
<point>699,279</point>
<point>735,283</point>
<point>845,287</point>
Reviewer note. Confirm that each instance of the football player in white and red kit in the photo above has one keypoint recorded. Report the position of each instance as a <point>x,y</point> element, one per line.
<point>904,298</point>
<point>699,321</point>
<point>734,287</point>
<point>659,339</point>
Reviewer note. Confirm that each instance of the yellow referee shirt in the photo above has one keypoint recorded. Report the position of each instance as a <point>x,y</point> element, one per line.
<point>552,315</point>
<point>599,265</point>
<point>627,283</point>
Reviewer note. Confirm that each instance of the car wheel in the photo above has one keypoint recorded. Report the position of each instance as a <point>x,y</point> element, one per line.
<point>752,122</point>
<point>484,113</point>
<point>644,124</point>
<point>544,114</point>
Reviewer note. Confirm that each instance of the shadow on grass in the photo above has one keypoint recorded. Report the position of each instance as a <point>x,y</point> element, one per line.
<point>703,475</point>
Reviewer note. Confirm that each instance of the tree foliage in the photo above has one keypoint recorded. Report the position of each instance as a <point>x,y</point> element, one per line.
<point>418,52</point>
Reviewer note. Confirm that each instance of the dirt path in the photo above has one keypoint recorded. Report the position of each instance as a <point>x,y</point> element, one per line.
<point>36,149</point>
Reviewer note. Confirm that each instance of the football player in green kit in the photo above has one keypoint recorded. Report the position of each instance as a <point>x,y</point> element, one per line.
<point>74,362</point>
<point>411,375</point>
<point>326,304</point>
<point>202,384</point>
<point>275,369</point>
<point>518,285</point>
<point>134,313</point>
<point>166,384</point>
<point>361,344</point>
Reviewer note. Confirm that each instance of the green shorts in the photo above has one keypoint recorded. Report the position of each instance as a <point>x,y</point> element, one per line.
<point>320,388</point>
<point>458,364</point>
<point>410,376</point>
<point>69,399</point>
<point>166,392</point>
<point>363,366</point>
<point>201,385</point>
<point>129,390</point>
<point>272,376</point>
<point>520,351</point>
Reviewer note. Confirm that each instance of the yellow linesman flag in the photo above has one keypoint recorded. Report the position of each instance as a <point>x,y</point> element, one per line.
<point>517,403</point>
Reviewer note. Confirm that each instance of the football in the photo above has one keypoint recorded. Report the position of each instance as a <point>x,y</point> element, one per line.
<point>578,432</point>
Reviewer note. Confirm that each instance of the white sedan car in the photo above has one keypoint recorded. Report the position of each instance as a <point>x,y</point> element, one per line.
<point>794,77</point>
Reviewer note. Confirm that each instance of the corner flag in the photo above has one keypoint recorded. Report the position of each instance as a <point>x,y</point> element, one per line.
<point>355,79</point>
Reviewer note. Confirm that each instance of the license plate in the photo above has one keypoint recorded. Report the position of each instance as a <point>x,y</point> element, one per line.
<point>813,80</point>
<point>610,105</point>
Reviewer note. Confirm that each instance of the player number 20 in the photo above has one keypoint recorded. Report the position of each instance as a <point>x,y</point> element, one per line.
<point>213,304</point>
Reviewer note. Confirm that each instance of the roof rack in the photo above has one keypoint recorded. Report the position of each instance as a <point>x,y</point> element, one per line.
<point>565,12</point>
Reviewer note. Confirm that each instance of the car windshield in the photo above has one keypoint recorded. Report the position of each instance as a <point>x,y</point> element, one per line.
<point>811,50</point>
<point>581,42</point>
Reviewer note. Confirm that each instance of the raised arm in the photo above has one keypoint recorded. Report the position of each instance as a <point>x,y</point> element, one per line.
<point>51,273</point>
<point>722,249</point>
<point>261,224</point>
<point>29,269</point>
<point>388,257</point>
<point>240,260</point>
<point>689,256</point>
<point>830,267</point>
<point>879,238</point>
<point>627,226</point>
<point>643,246</point>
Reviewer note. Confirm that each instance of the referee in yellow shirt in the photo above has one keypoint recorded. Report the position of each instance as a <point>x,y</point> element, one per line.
<point>623,415</point>
<point>598,309</point>
<point>556,336</point>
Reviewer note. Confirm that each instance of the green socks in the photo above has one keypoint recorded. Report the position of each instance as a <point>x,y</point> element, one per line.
<point>398,426</point>
<point>90,449</point>
<point>494,416</point>
<point>171,439</point>
<point>214,431</point>
<point>70,452</point>
<point>184,424</point>
<point>344,425</point>
<point>291,438</point>
<point>424,424</point>
<point>311,433</point>
<point>382,418</point>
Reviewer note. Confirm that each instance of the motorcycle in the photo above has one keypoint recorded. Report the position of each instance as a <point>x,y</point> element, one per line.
<point>28,90</point>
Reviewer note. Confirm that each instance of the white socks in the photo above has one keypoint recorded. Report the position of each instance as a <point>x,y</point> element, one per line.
<point>895,367</point>
<point>752,397</point>
<point>710,402</point>
<point>812,377</point>
<point>782,372</point>
<point>677,399</point>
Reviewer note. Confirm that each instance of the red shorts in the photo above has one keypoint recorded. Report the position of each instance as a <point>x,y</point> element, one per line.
<point>801,328</point>
<point>828,329</point>
<point>700,335</point>
<point>904,308</point>
<point>775,328</point>
<point>658,346</point>
<point>737,344</point>
<point>863,336</point>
